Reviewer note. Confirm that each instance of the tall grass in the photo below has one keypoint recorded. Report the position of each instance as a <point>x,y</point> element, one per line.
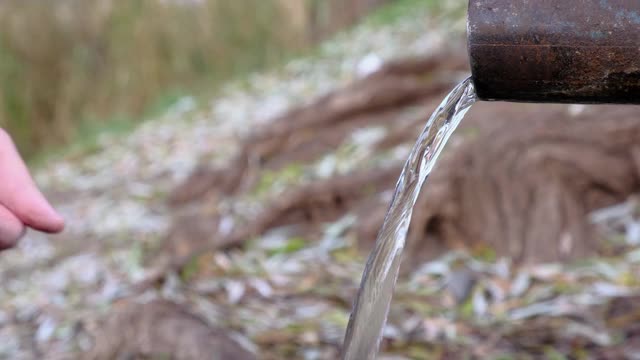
<point>64,62</point>
<point>69,64</point>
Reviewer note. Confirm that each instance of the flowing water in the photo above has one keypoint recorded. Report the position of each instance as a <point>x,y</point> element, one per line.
<point>372,304</point>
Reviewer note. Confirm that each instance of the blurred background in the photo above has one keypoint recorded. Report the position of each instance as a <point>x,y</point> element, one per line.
<point>224,167</point>
<point>67,65</point>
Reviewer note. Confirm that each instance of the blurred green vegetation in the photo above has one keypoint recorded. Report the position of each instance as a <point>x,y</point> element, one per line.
<point>451,10</point>
<point>401,9</point>
<point>68,67</point>
<point>72,69</point>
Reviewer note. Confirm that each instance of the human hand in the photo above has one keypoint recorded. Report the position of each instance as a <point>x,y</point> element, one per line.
<point>22,205</point>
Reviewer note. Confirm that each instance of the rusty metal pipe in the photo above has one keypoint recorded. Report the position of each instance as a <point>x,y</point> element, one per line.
<point>556,51</point>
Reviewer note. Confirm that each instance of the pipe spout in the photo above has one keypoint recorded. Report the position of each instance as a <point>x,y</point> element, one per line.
<point>549,51</point>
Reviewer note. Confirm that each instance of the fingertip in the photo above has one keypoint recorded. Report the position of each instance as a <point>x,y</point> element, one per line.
<point>43,218</point>
<point>56,224</point>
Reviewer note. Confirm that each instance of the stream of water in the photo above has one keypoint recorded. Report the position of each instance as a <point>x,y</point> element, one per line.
<point>371,307</point>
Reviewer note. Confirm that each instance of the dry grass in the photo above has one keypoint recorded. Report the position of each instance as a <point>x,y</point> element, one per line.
<point>72,64</point>
<point>67,62</point>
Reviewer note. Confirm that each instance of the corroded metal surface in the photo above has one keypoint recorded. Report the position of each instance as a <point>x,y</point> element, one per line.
<point>569,51</point>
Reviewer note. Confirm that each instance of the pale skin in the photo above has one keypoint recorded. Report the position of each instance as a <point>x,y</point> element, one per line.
<point>22,205</point>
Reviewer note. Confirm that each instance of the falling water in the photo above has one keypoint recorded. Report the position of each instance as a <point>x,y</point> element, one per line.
<point>372,304</point>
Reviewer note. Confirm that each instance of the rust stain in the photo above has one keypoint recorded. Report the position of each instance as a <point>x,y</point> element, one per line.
<point>573,51</point>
